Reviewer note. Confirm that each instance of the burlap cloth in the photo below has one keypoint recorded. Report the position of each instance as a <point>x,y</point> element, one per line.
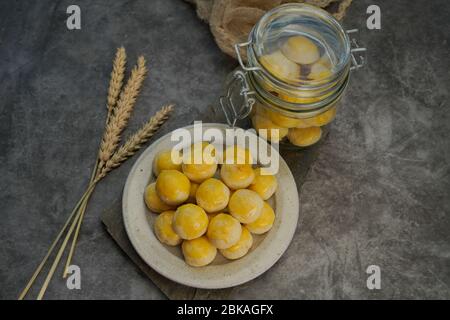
<point>231,20</point>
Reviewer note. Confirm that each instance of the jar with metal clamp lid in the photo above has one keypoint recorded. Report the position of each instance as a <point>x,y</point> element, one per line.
<point>299,60</point>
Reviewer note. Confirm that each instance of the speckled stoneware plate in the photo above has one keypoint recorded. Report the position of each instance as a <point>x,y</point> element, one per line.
<point>221,273</point>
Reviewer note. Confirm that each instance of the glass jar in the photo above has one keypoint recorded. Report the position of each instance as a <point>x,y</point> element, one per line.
<point>298,65</point>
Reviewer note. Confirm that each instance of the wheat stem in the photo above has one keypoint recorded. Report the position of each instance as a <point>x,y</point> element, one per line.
<point>52,247</point>
<point>77,231</point>
<point>125,151</point>
<point>117,120</point>
<point>75,237</point>
<point>120,105</point>
<point>63,246</point>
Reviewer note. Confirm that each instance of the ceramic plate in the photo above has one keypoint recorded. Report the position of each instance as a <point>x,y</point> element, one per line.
<point>221,273</point>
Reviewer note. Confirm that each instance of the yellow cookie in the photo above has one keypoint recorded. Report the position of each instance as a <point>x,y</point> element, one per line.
<point>304,137</point>
<point>152,200</point>
<point>303,124</point>
<point>224,231</point>
<point>305,99</point>
<point>198,252</point>
<point>241,248</point>
<point>325,61</point>
<point>260,109</point>
<point>237,176</point>
<point>301,50</point>
<point>264,222</point>
<point>164,231</point>
<point>319,71</point>
<point>200,153</point>
<point>190,221</point>
<point>163,161</point>
<point>282,120</point>
<point>200,163</point>
<point>264,185</point>
<point>212,195</point>
<point>237,155</point>
<point>199,172</point>
<point>245,205</point>
<point>322,119</point>
<point>280,67</point>
<point>173,187</point>
<point>259,122</point>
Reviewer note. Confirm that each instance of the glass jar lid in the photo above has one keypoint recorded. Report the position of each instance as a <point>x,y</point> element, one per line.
<point>300,45</point>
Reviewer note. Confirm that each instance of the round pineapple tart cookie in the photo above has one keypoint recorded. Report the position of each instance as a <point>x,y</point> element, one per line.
<point>260,122</point>
<point>200,164</point>
<point>264,222</point>
<point>190,221</point>
<point>245,205</point>
<point>264,185</point>
<point>304,137</point>
<point>163,161</point>
<point>322,119</point>
<point>237,176</point>
<point>301,50</point>
<point>282,120</point>
<point>164,231</point>
<point>224,231</point>
<point>173,187</point>
<point>198,252</point>
<point>212,195</point>
<point>241,248</point>
<point>280,66</point>
<point>152,200</point>
<point>237,155</point>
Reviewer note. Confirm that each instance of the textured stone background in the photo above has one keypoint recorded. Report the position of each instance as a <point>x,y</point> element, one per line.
<point>379,193</point>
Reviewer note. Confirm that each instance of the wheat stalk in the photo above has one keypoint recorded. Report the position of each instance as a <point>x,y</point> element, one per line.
<point>116,81</point>
<point>63,245</point>
<point>128,149</point>
<point>52,247</point>
<point>134,143</point>
<point>131,146</point>
<point>115,85</point>
<point>122,112</point>
<point>82,210</point>
<point>117,121</point>
<point>108,158</point>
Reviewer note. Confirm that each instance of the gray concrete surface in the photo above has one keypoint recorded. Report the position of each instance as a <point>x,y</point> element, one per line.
<point>379,193</point>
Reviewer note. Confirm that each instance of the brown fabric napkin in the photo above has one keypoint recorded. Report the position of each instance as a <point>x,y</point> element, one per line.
<point>112,219</point>
<point>230,21</point>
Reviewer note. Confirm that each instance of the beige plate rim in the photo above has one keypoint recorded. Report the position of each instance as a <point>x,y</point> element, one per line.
<point>159,258</point>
